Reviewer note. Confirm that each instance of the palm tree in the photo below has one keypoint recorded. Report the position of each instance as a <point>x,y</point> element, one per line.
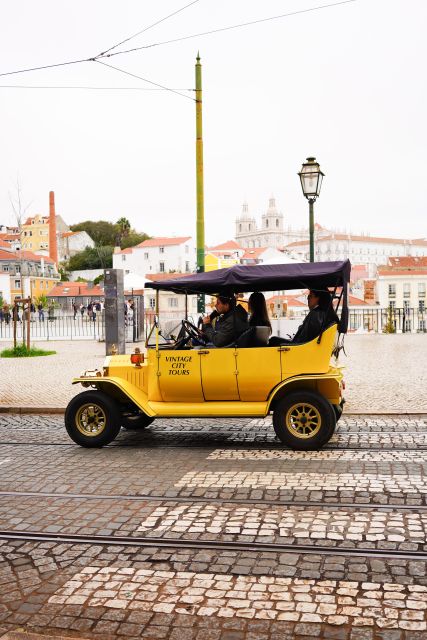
<point>123,225</point>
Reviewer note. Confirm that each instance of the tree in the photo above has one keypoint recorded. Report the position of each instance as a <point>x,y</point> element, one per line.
<point>123,226</point>
<point>100,257</point>
<point>132,239</point>
<point>390,326</point>
<point>102,232</point>
<point>107,234</point>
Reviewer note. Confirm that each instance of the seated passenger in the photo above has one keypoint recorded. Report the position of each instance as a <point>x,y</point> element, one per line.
<point>320,316</point>
<point>229,325</point>
<point>258,311</point>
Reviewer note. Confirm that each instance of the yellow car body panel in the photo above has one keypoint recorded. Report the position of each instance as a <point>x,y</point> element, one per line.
<point>220,382</point>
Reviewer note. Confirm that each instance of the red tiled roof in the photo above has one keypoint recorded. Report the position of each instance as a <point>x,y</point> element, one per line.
<point>291,301</point>
<point>253,254</point>
<point>127,250</point>
<point>345,236</point>
<point>4,244</point>
<point>408,261</point>
<point>44,220</point>
<point>164,276</point>
<point>72,289</point>
<point>162,242</point>
<point>66,234</point>
<point>404,273</point>
<point>25,255</point>
<point>10,237</point>
<point>230,245</point>
<point>352,300</point>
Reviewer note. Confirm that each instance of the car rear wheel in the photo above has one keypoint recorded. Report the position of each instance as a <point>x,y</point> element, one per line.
<point>135,420</point>
<point>92,419</point>
<point>304,420</point>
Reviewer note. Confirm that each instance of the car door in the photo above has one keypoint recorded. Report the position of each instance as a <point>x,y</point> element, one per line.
<point>179,375</point>
<point>259,371</point>
<point>219,374</point>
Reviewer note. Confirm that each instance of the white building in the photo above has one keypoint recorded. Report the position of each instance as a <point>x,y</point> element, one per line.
<point>72,242</point>
<point>271,233</point>
<point>403,284</point>
<point>157,255</point>
<point>367,250</point>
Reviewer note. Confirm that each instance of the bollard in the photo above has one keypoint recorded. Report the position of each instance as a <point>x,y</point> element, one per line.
<point>114,310</point>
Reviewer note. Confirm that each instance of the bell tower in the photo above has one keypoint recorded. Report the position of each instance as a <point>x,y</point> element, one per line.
<point>245,225</point>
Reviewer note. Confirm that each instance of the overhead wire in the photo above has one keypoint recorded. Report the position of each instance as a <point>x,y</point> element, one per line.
<point>182,38</point>
<point>23,86</point>
<point>156,84</point>
<point>149,27</point>
<point>230,27</point>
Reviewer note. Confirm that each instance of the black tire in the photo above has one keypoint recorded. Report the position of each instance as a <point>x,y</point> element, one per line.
<point>92,408</point>
<point>304,420</point>
<point>135,420</point>
<point>338,411</point>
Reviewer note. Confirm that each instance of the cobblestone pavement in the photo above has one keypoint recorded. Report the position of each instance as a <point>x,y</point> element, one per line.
<point>328,544</point>
<point>45,381</point>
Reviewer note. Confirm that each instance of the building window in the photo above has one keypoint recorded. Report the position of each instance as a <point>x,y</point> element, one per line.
<point>17,284</point>
<point>161,249</point>
<point>406,289</point>
<point>249,227</point>
<point>422,289</point>
<point>421,305</point>
<point>391,290</point>
<point>277,222</point>
<point>187,248</point>
<point>152,303</point>
<point>173,302</point>
<point>266,223</point>
<point>240,227</point>
<point>187,266</point>
<point>123,258</point>
<point>406,304</point>
<point>146,256</point>
<point>162,267</point>
<point>17,268</point>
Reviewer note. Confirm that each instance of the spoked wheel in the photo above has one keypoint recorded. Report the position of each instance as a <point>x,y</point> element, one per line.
<point>304,420</point>
<point>135,420</point>
<point>92,419</point>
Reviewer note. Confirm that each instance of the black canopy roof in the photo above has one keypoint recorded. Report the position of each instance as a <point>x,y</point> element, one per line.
<point>261,277</point>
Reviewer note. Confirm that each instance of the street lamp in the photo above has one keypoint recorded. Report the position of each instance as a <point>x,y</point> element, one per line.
<point>311,181</point>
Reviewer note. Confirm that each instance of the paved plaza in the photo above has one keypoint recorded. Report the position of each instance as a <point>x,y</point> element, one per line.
<point>383,373</point>
<point>208,529</point>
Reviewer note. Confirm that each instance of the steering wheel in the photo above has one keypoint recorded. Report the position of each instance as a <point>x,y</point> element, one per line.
<point>191,330</point>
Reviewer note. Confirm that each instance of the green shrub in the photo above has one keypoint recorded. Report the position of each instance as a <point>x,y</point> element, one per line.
<point>21,351</point>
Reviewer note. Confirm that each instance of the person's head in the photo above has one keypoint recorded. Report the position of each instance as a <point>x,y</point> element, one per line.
<point>318,298</point>
<point>256,303</point>
<point>224,303</point>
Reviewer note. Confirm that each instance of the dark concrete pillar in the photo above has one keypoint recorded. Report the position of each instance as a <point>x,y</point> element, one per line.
<point>114,311</point>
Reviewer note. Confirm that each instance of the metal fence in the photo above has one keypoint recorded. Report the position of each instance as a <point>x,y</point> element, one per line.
<point>60,326</point>
<point>401,320</point>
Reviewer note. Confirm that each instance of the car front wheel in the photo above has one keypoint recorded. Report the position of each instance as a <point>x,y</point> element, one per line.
<point>92,419</point>
<point>304,420</point>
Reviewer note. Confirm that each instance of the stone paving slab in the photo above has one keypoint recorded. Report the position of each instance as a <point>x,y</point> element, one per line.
<point>400,384</point>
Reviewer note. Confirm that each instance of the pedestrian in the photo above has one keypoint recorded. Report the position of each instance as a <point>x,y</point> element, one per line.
<point>41,312</point>
<point>82,310</point>
<point>33,311</point>
<point>15,313</point>
<point>6,312</point>
<point>51,312</point>
<point>89,310</point>
<point>75,309</point>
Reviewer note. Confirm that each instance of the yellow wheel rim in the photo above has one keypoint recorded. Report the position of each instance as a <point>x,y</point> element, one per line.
<point>303,420</point>
<point>91,420</point>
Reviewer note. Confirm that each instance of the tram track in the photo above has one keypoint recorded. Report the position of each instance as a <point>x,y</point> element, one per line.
<point>215,500</point>
<point>215,545</point>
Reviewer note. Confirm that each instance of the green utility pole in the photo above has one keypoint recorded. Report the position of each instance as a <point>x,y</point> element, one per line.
<point>199,177</point>
<point>311,227</point>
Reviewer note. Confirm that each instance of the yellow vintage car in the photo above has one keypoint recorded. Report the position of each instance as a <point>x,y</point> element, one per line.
<point>297,383</point>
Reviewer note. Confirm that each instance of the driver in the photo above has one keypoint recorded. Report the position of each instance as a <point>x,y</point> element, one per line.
<point>230,324</point>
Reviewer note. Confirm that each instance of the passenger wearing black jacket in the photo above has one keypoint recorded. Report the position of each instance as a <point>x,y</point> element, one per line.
<point>320,316</point>
<point>231,322</point>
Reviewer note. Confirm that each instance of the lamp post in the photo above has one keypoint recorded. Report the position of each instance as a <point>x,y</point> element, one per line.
<point>311,181</point>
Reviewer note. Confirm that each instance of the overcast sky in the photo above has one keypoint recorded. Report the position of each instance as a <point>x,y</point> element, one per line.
<point>346,84</point>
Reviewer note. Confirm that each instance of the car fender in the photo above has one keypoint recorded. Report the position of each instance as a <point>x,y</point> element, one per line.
<point>328,385</point>
<point>119,389</point>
